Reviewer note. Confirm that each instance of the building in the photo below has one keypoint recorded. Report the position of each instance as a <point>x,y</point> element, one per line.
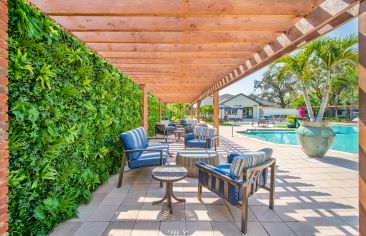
<point>241,106</point>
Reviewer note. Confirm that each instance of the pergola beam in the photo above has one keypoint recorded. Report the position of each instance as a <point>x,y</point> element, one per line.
<point>174,7</point>
<point>189,47</point>
<point>330,14</point>
<point>271,23</point>
<point>176,37</point>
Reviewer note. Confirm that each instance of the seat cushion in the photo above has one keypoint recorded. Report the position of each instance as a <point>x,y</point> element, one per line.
<point>200,143</point>
<point>247,160</point>
<point>131,141</point>
<point>165,147</point>
<point>148,159</point>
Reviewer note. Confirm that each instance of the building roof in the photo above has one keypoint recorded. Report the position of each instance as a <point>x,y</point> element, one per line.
<point>227,97</point>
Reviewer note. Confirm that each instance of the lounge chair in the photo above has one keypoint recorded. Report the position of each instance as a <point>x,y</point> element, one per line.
<point>202,137</point>
<point>238,179</point>
<point>138,153</point>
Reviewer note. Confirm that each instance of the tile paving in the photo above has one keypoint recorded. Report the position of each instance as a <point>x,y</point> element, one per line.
<point>314,196</point>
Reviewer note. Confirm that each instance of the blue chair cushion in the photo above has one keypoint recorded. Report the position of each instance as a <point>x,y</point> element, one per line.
<point>131,141</point>
<point>143,136</point>
<point>247,160</point>
<point>231,156</point>
<point>148,159</point>
<point>165,147</point>
<point>189,136</point>
<point>200,143</point>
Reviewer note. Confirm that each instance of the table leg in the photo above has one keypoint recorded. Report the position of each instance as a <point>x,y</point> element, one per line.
<point>178,199</point>
<point>159,201</point>
<point>169,191</point>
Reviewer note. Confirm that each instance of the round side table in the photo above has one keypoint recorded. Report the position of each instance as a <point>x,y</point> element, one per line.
<point>188,158</point>
<point>169,175</point>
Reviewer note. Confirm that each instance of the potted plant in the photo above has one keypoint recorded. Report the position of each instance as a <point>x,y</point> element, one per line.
<point>292,121</point>
<point>321,58</point>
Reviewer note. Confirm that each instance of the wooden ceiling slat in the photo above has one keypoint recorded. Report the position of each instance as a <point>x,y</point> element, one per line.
<point>176,7</point>
<point>183,61</point>
<point>173,55</point>
<point>177,37</point>
<point>271,23</point>
<point>156,47</point>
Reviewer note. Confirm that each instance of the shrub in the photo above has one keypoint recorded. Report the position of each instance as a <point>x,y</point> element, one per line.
<point>291,118</point>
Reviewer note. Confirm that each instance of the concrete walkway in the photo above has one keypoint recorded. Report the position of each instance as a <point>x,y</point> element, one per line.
<point>316,196</point>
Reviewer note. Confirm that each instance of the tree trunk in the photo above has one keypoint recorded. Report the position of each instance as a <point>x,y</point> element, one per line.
<point>308,104</point>
<point>323,105</point>
<point>351,106</point>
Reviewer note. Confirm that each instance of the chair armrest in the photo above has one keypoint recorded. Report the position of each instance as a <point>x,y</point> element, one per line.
<point>148,150</point>
<point>225,178</point>
<point>157,138</point>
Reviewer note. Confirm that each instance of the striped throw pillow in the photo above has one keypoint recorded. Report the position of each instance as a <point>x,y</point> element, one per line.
<point>247,160</point>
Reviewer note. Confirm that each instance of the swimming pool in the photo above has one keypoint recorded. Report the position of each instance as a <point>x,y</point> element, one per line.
<point>346,139</point>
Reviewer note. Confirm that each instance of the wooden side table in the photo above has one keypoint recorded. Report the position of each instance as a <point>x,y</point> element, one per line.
<point>188,158</point>
<point>169,175</point>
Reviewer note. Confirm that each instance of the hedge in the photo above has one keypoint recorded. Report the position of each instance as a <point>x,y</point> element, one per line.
<point>66,109</point>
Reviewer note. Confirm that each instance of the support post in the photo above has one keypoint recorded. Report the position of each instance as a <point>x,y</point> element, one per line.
<point>198,111</point>
<point>145,106</point>
<point>216,114</point>
<point>160,110</point>
<point>362,116</point>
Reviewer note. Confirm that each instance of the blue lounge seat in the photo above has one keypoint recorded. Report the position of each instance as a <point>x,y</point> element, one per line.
<point>139,153</point>
<point>202,137</point>
<point>243,173</point>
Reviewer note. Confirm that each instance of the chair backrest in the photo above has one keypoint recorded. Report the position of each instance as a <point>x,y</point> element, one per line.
<point>134,139</point>
<point>165,122</point>
<point>204,132</point>
<point>247,160</point>
<point>189,121</point>
<point>143,136</point>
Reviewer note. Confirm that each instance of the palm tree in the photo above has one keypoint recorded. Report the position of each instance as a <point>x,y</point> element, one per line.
<point>330,53</point>
<point>348,82</point>
<point>299,65</point>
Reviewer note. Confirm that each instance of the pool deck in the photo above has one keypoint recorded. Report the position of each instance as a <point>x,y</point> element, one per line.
<point>314,196</point>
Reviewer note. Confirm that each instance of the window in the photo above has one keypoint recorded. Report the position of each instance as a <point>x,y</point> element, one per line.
<point>248,112</point>
<point>233,112</point>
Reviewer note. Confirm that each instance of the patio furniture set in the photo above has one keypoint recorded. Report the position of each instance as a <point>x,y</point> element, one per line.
<point>235,181</point>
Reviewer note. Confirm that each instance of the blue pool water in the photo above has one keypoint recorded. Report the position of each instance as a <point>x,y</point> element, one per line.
<point>346,139</point>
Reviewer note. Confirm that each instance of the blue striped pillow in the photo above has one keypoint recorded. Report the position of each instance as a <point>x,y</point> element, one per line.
<point>248,160</point>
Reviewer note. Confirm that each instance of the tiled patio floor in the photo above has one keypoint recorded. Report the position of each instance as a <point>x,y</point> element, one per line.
<point>313,197</point>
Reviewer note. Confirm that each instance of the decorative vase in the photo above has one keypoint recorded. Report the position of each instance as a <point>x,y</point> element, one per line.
<point>315,138</point>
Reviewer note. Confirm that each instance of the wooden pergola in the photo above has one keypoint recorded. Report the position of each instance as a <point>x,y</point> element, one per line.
<point>185,50</point>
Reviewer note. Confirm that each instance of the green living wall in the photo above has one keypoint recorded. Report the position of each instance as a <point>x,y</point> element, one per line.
<point>66,109</point>
<point>153,113</point>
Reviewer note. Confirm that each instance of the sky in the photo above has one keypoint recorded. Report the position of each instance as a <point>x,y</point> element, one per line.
<point>246,85</point>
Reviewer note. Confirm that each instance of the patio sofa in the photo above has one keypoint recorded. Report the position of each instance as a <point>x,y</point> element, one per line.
<point>239,178</point>
<point>139,153</point>
<point>202,137</point>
